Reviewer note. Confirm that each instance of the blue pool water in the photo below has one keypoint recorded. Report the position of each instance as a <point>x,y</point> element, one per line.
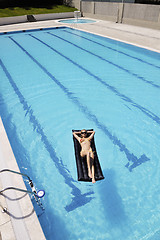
<point>56,80</point>
<point>77,21</point>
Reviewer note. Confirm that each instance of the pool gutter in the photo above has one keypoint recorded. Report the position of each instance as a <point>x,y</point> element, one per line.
<point>20,220</point>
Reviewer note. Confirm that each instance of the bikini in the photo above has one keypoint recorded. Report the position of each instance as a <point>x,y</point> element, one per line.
<point>82,140</point>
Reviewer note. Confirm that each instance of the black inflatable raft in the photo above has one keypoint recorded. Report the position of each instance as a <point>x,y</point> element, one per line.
<point>81,163</point>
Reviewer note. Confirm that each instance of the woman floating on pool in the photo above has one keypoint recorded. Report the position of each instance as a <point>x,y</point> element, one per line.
<point>86,150</point>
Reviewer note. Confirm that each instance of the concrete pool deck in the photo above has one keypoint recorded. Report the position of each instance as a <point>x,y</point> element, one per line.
<point>20,220</point>
<point>143,37</point>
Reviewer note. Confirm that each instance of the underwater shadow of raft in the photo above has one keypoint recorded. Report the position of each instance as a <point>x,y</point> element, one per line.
<point>112,202</point>
<point>81,163</point>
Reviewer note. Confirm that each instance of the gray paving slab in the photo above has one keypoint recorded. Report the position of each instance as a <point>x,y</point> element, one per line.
<point>20,220</point>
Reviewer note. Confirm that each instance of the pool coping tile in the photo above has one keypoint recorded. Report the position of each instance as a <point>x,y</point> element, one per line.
<point>20,216</point>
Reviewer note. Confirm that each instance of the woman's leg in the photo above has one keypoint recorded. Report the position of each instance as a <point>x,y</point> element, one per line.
<point>92,167</point>
<point>89,165</point>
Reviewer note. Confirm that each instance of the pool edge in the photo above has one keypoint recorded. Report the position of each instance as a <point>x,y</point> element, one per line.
<point>24,221</point>
<point>57,24</point>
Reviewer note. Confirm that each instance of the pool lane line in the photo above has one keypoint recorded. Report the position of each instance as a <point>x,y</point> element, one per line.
<point>79,199</point>
<point>107,61</point>
<point>130,156</point>
<point>110,48</point>
<point>147,112</point>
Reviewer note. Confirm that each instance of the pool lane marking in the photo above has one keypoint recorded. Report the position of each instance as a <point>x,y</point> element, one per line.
<point>110,48</point>
<point>147,112</point>
<point>105,60</point>
<point>79,198</point>
<point>130,156</point>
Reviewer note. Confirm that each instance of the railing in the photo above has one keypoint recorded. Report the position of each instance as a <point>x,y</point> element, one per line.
<point>37,194</point>
<point>18,189</point>
<point>8,170</point>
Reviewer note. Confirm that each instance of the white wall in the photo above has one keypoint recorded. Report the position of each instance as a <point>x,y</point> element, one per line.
<point>130,13</point>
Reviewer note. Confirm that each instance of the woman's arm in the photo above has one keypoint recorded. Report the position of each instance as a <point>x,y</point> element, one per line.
<point>77,132</point>
<point>92,134</point>
<point>76,136</point>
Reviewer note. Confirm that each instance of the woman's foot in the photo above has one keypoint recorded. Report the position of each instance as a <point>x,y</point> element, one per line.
<point>93,180</point>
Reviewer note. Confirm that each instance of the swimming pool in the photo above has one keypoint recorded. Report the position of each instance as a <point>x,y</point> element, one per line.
<point>56,80</point>
<point>77,21</point>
